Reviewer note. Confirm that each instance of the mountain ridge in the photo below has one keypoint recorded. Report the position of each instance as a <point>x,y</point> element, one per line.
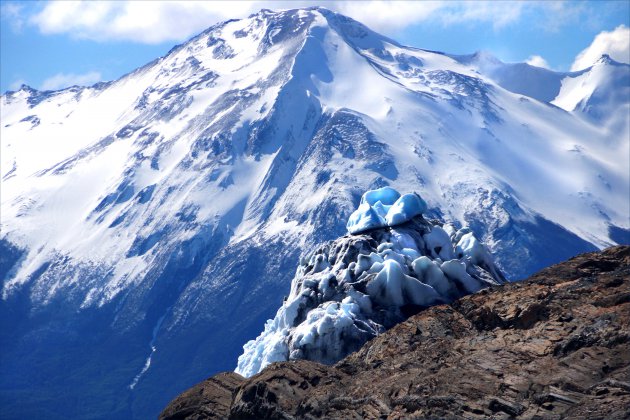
<point>550,346</point>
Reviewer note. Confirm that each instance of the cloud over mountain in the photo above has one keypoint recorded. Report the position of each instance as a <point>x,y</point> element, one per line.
<point>615,43</point>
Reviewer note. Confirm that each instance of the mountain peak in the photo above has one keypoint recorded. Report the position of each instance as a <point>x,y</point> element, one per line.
<point>270,14</point>
<point>484,55</point>
<point>320,16</point>
<point>606,59</point>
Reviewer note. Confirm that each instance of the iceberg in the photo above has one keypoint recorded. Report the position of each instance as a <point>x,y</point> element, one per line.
<point>364,218</point>
<point>439,244</point>
<point>384,207</point>
<point>386,195</point>
<point>392,286</point>
<point>352,289</point>
<point>405,208</point>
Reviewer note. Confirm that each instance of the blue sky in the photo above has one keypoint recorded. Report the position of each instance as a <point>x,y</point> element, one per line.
<point>51,45</point>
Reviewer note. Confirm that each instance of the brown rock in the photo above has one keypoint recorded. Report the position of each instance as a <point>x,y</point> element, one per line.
<point>210,399</point>
<point>554,346</point>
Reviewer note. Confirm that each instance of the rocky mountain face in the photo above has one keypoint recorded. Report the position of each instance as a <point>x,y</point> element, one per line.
<point>554,346</point>
<point>151,224</point>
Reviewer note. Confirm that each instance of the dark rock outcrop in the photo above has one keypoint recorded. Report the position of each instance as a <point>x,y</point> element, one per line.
<point>554,346</point>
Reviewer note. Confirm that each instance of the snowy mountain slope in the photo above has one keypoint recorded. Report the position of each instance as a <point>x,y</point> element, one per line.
<point>600,92</point>
<point>522,78</point>
<point>151,224</point>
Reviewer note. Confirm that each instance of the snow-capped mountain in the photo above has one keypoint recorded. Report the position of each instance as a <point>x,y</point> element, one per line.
<point>600,93</point>
<point>150,225</point>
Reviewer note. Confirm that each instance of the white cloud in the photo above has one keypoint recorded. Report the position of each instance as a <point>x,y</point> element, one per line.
<point>615,43</point>
<point>538,61</point>
<point>13,14</point>
<point>63,80</point>
<point>387,15</point>
<point>557,14</point>
<point>498,14</point>
<point>153,22</point>
<point>147,22</point>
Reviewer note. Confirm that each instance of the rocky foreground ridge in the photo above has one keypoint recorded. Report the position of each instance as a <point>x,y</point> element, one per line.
<point>554,346</point>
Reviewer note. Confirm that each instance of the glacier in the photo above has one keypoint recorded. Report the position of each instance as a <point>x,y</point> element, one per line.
<point>355,287</point>
<point>159,217</point>
<point>384,207</point>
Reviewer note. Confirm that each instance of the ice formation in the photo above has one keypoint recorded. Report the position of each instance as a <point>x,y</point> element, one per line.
<point>352,289</point>
<point>385,207</point>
